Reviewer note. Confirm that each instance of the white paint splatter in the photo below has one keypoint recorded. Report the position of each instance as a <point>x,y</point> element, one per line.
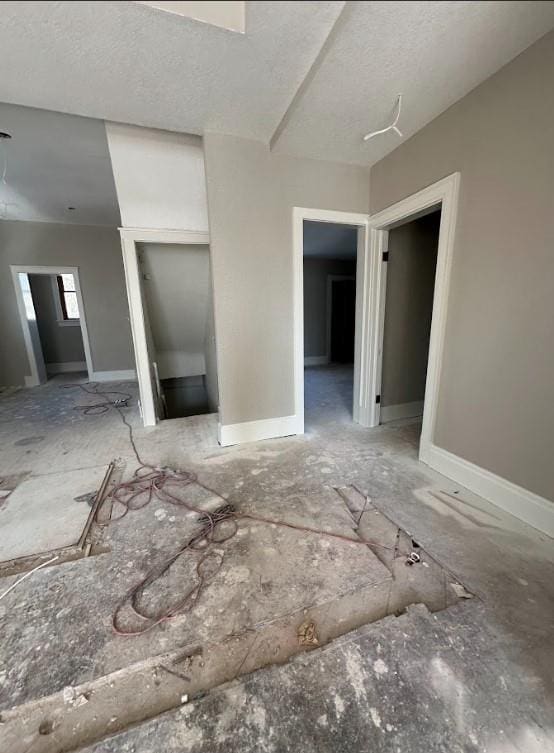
<point>322,720</point>
<point>356,675</point>
<point>380,667</point>
<point>160,513</point>
<point>375,716</point>
<point>339,706</point>
<point>389,727</point>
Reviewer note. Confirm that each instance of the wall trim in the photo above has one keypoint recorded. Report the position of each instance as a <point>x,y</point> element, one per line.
<point>532,509</point>
<point>444,194</point>
<point>253,431</point>
<point>114,376</point>
<point>401,410</point>
<point>65,367</point>
<point>316,360</point>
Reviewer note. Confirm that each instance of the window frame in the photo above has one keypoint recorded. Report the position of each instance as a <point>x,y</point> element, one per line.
<point>59,300</point>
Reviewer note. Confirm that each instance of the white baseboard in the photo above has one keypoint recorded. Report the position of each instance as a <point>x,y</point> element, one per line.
<point>66,367</point>
<point>401,410</point>
<point>252,431</point>
<point>316,360</point>
<point>534,510</point>
<point>113,376</point>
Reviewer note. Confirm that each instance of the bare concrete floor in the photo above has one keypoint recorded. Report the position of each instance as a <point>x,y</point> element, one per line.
<point>475,677</point>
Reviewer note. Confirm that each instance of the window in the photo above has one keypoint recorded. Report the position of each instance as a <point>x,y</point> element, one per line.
<point>68,310</point>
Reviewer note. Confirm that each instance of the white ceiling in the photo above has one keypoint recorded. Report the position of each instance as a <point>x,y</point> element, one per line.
<point>309,77</point>
<point>431,52</point>
<point>131,63</point>
<point>56,161</point>
<point>328,240</point>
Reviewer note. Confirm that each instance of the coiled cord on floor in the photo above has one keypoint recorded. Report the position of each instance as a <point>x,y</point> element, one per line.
<point>150,482</point>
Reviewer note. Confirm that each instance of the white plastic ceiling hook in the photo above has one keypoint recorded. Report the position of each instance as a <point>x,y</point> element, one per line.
<point>392,126</point>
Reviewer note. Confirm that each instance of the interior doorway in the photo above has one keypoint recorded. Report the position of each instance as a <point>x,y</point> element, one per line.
<point>410,283</point>
<point>329,293</point>
<point>52,316</point>
<point>178,307</point>
<point>443,196</point>
<point>165,350</point>
<point>341,298</point>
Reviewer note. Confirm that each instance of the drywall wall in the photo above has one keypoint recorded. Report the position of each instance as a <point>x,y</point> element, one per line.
<point>177,290</point>
<point>495,405</point>
<point>210,354</point>
<point>61,344</point>
<point>159,178</point>
<point>316,272</point>
<point>408,309</point>
<point>96,251</point>
<point>251,193</point>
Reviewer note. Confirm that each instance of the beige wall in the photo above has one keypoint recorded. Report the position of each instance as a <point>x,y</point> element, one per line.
<point>408,308</point>
<point>251,193</point>
<point>159,178</point>
<point>176,284</point>
<point>316,273</point>
<point>210,353</point>
<point>496,406</point>
<point>96,251</point>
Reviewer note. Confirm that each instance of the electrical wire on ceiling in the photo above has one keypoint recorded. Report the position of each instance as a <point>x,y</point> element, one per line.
<point>393,125</point>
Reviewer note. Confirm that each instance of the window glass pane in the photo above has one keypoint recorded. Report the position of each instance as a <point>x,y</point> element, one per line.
<point>68,283</point>
<point>71,305</point>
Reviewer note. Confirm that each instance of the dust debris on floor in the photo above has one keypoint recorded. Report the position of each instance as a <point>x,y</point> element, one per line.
<point>201,572</point>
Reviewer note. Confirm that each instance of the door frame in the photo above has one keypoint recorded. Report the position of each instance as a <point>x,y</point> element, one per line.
<point>299,214</point>
<point>443,194</point>
<point>129,238</point>
<point>36,358</point>
<point>329,310</point>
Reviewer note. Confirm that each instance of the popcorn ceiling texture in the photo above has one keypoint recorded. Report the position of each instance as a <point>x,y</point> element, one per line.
<point>130,63</point>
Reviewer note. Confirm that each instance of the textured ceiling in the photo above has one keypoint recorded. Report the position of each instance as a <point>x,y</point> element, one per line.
<point>326,240</point>
<point>311,77</point>
<point>130,63</point>
<point>431,52</point>
<point>310,74</point>
<point>55,161</point>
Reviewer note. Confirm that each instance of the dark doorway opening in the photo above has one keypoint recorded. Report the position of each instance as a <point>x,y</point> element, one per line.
<point>343,320</point>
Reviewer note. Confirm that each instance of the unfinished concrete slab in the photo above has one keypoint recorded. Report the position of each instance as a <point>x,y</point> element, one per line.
<point>279,592</point>
<point>507,565</point>
<point>49,512</point>
<point>419,682</point>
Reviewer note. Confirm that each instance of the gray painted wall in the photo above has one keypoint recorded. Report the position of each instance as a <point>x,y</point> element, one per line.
<point>316,272</point>
<point>97,253</point>
<point>251,193</point>
<point>408,309</point>
<point>496,406</point>
<point>60,344</point>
